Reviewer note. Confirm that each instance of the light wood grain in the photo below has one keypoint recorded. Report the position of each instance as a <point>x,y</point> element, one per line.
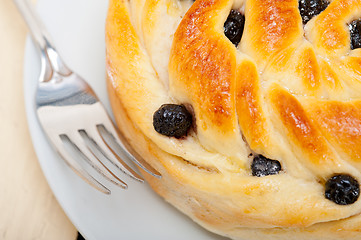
<point>28,209</point>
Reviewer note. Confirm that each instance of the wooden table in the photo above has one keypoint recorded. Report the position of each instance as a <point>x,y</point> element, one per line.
<point>28,208</point>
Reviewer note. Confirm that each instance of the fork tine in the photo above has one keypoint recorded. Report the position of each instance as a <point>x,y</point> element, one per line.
<point>127,149</point>
<point>109,153</point>
<point>78,141</point>
<point>59,147</point>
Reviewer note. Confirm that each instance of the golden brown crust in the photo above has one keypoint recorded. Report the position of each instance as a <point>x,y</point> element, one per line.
<point>278,94</point>
<point>340,123</point>
<point>202,70</point>
<point>330,33</point>
<point>249,109</point>
<point>279,26</point>
<point>302,132</point>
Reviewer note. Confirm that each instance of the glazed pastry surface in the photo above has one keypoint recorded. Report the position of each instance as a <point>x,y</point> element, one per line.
<point>289,91</point>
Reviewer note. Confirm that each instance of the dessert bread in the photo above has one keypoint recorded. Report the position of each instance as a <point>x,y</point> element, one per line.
<point>250,110</point>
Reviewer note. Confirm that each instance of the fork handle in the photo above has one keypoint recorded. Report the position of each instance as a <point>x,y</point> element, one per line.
<point>50,57</point>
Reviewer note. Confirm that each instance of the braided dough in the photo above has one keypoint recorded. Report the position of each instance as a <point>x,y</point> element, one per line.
<point>289,91</point>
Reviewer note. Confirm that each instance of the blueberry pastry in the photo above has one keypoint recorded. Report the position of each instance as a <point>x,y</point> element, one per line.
<point>250,110</point>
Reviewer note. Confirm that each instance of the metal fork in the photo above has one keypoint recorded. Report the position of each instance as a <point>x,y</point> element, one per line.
<point>73,118</point>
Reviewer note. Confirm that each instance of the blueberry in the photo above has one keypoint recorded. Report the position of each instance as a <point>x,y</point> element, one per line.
<point>233,27</point>
<point>342,189</point>
<point>172,120</point>
<point>355,33</point>
<point>262,166</point>
<point>311,8</point>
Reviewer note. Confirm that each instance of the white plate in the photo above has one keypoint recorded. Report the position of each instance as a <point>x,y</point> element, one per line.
<point>77,27</point>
